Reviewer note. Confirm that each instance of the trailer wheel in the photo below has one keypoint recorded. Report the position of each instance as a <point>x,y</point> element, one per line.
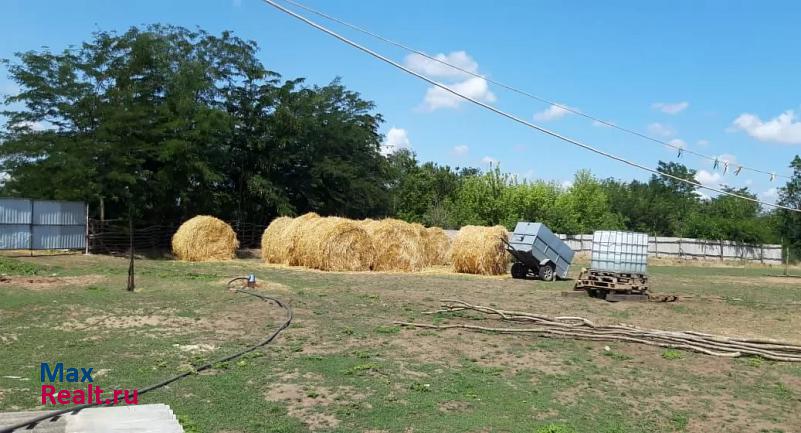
<point>519,270</point>
<point>547,273</point>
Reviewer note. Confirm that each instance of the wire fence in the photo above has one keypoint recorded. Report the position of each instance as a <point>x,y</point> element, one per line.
<point>114,236</point>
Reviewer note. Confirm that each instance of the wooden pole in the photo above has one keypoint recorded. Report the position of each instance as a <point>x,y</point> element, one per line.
<point>86,247</point>
<point>131,283</point>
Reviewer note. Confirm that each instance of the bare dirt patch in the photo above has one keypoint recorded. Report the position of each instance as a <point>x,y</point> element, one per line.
<point>49,283</point>
<point>310,402</point>
<point>454,406</point>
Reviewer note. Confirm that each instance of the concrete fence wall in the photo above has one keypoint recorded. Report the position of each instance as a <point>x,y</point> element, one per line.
<point>688,248</point>
<point>700,249</point>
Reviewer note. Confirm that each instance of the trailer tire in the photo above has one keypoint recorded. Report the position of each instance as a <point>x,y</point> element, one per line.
<point>547,273</point>
<point>519,270</point>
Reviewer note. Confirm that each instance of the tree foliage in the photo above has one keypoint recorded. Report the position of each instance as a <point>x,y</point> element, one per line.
<point>172,123</point>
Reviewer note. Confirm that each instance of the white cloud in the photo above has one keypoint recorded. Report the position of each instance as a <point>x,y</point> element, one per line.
<point>566,184</point>
<point>38,126</point>
<point>727,157</point>
<point>677,143</point>
<point>781,129</point>
<point>552,113</point>
<point>702,142</point>
<point>460,150</point>
<point>476,88</point>
<point>771,195</point>
<point>434,69</point>
<point>670,108</point>
<point>461,82</point>
<point>396,139</point>
<point>661,130</point>
<point>707,178</point>
<point>489,160</point>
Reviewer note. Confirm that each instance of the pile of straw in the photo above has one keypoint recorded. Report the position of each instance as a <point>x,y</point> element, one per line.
<point>479,250</point>
<point>291,236</point>
<point>398,245</point>
<point>437,245</point>
<point>334,244</point>
<point>272,249</point>
<point>204,238</point>
<point>389,245</point>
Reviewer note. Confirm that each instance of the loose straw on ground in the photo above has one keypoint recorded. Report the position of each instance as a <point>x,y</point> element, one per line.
<point>584,329</point>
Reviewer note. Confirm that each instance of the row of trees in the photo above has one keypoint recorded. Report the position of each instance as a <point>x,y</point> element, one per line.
<point>438,195</point>
<point>167,123</point>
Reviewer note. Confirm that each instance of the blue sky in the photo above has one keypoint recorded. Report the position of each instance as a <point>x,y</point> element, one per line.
<point>726,73</point>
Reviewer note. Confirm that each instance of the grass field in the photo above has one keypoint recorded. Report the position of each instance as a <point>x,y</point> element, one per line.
<point>343,366</point>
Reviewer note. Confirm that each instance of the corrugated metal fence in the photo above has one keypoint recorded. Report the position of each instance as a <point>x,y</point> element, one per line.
<point>42,224</point>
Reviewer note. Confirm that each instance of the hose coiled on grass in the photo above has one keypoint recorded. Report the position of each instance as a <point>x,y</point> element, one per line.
<point>75,409</point>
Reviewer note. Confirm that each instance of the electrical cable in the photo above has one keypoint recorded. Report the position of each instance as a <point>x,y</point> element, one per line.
<point>511,116</point>
<point>289,316</point>
<point>681,150</point>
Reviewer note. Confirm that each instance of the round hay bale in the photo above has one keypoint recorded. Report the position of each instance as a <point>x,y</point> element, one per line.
<point>204,238</point>
<point>479,250</point>
<point>289,237</point>
<point>334,244</point>
<point>369,225</point>
<point>398,246</point>
<point>437,245</point>
<point>272,249</point>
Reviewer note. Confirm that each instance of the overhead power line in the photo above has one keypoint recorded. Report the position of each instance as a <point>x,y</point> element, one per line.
<point>716,160</point>
<point>511,116</point>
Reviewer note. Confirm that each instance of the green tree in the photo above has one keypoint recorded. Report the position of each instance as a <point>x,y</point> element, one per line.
<point>173,123</point>
<point>790,196</point>
<point>584,207</point>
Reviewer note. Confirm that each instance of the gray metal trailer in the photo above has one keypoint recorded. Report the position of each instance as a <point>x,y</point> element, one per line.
<point>538,252</point>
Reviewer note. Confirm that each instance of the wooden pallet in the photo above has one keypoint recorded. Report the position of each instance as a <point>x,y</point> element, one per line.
<point>612,282</point>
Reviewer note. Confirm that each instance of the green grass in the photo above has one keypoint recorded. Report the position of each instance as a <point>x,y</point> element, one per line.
<point>351,364</point>
<point>10,266</point>
<point>672,354</point>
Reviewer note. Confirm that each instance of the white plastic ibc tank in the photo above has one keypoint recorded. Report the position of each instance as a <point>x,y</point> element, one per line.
<point>619,252</point>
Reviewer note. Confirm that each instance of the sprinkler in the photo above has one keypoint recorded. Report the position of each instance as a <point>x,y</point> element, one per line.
<point>251,281</point>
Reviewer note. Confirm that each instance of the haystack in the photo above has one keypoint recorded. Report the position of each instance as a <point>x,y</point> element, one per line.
<point>272,249</point>
<point>204,238</point>
<point>334,244</point>
<point>289,237</point>
<point>398,245</point>
<point>437,245</point>
<point>479,250</point>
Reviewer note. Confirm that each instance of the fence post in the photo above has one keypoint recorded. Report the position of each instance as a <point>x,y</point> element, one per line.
<point>86,246</point>
<point>30,230</point>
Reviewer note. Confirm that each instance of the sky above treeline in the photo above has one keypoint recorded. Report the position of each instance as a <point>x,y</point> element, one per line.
<point>716,77</point>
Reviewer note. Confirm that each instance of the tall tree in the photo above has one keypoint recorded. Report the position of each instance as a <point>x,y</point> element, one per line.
<point>790,196</point>
<point>173,123</point>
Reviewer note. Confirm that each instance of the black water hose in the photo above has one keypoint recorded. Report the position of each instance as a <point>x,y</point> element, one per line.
<point>75,409</point>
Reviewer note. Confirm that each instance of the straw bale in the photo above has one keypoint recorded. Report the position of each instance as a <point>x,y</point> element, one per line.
<point>204,238</point>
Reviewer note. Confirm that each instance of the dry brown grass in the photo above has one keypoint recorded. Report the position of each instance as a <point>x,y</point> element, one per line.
<point>479,250</point>
<point>204,238</point>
